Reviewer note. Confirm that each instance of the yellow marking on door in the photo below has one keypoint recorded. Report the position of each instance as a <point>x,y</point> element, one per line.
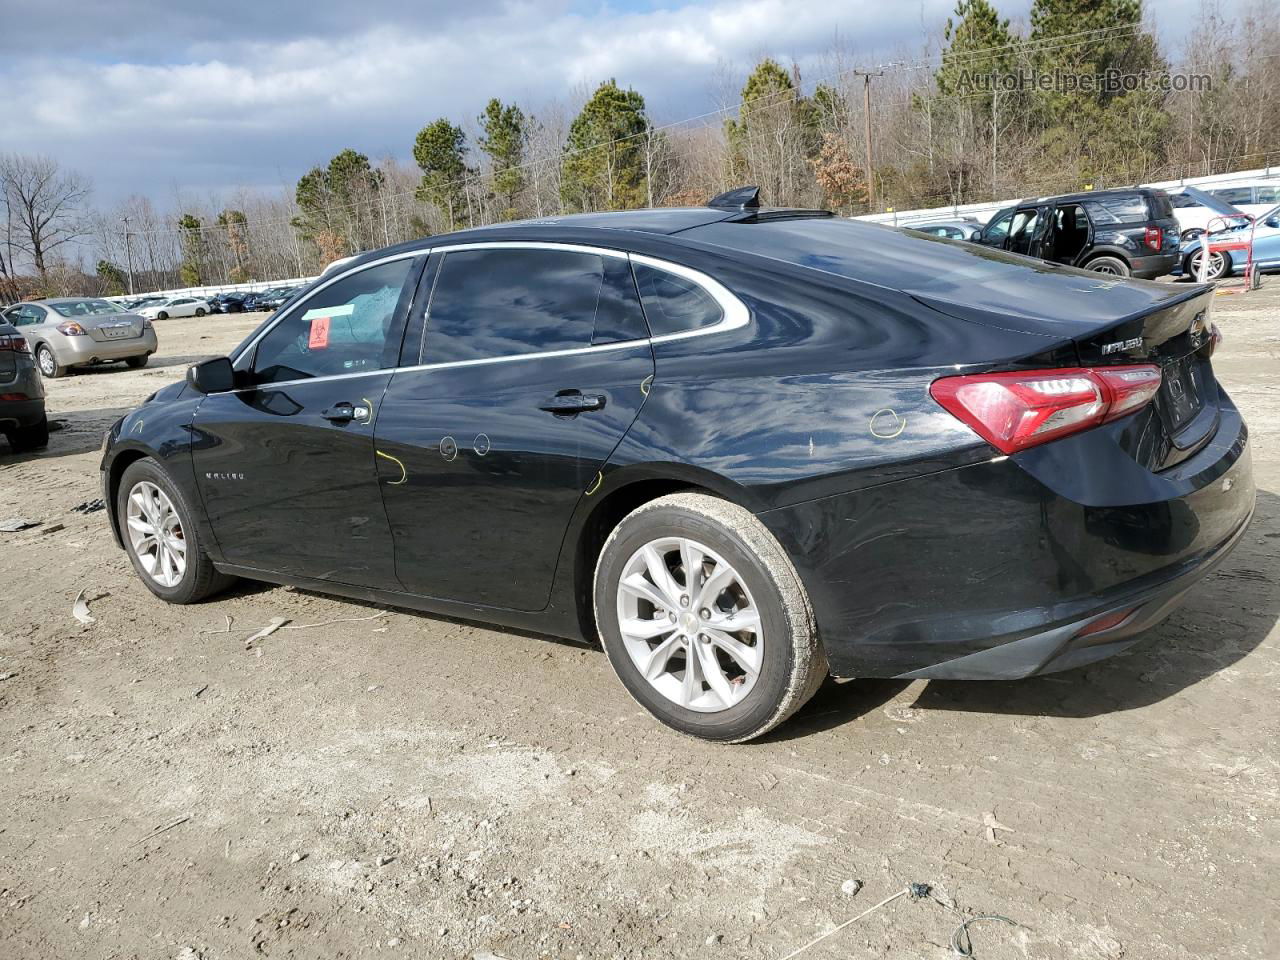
<point>404,473</point>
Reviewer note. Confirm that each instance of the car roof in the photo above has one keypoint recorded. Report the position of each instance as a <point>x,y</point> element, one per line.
<point>1095,195</point>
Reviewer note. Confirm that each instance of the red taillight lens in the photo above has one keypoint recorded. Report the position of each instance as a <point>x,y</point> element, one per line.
<point>14,397</point>
<point>15,344</point>
<point>71,329</point>
<point>1014,411</point>
<point>1153,236</point>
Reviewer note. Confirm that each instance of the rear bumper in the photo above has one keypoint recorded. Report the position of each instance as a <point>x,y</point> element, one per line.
<point>74,351</point>
<point>1148,268</point>
<point>21,413</point>
<point>1073,644</point>
<point>932,576</point>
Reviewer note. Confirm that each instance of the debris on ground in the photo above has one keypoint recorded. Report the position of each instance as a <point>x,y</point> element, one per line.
<point>80,609</point>
<point>992,824</point>
<point>8,676</point>
<point>89,506</point>
<point>14,524</point>
<point>159,830</point>
<point>329,623</point>
<point>266,631</point>
<point>850,888</point>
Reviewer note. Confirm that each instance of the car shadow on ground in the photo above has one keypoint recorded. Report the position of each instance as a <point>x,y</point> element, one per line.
<point>155,363</point>
<point>72,432</point>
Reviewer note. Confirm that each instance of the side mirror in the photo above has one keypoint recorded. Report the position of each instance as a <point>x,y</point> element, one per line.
<point>212,376</point>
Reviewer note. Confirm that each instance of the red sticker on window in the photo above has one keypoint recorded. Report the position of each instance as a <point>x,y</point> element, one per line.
<point>319,333</point>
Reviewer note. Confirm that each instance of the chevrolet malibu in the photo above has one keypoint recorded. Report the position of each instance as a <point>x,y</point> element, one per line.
<point>746,448</point>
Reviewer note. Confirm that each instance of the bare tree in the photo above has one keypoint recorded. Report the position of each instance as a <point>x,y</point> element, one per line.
<point>44,203</point>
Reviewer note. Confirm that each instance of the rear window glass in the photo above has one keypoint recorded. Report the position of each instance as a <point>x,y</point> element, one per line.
<point>674,304</point>
<point>1117,209</point>
<point>1161,206</point>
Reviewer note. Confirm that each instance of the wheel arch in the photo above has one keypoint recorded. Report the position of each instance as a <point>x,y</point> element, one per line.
<point>111,488</point>
<point>622,491</point>
<point>1118,253</point>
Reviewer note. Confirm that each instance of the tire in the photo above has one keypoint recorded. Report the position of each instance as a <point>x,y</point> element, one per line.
<point>137,363</point>
<point>1112,266</point>
<point>198,579</point>
<point>200,311</point>
<point>1219,266</point>
<point>26,439</point>
<point>1190,234</point>
<point>49,366</point>
<point>162,315</point>
<point>736,550</point>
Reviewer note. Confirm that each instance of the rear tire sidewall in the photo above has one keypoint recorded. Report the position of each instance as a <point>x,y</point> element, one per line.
<point>199,311</point>
<point>137,363</point>
<point>33,437</point>
<point>1116,266</point>
<point>162,315</point>
<point>761,705</point>
<point>195,582</point>
<point>45,357</point>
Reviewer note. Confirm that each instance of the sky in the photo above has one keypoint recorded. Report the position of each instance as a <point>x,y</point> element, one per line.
<point>199,98</point>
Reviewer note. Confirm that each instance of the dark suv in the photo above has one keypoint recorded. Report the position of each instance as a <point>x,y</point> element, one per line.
<point>1127,233</point>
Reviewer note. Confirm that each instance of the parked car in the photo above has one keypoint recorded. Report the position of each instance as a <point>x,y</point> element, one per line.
<point>261,299</point>
<point>1224,263</point>
<point>276,299</point>
<point>232,302</point>
<point>139,302</point>
<point>78,332</point>
<point>1197,211</point>
<point>963,229</point>
<point>1129,232</point>
<point>745,447</point>
<point>22,414</point>
<point>1254,197</point>
<point>175,307</point>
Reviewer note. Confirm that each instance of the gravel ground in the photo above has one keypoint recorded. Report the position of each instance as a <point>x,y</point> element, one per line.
<point>418,786</point>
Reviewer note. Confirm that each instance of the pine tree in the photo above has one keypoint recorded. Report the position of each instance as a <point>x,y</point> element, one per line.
<point>604,155</point>
<point>504,139</point>
<point>440,150</point>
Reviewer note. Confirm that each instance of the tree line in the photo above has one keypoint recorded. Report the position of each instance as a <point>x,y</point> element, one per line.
<point>947,127</point>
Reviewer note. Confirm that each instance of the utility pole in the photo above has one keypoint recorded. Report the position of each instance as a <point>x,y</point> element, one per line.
<point>128,251</point>
<point>866,116</point>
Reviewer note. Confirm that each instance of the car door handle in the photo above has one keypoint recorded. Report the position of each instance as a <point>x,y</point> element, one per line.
<point>345,412</point>
<point>563,404</point>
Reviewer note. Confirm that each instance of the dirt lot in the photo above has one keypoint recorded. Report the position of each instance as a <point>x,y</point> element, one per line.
<point>416,786</point>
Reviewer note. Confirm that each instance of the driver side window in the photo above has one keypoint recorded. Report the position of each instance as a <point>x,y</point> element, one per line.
<point>347,327</point>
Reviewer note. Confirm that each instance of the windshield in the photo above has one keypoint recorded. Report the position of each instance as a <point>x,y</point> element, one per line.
<point>86,308</point>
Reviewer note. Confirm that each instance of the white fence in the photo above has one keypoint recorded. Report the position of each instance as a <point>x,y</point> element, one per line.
<point>983,211</point>
<point>254,286</point>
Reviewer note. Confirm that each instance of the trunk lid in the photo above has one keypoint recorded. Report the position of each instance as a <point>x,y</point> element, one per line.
<point>1169,329</point>
<point>112,326</point>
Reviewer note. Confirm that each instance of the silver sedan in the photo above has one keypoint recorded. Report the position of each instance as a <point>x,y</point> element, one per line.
<point>77,332</point>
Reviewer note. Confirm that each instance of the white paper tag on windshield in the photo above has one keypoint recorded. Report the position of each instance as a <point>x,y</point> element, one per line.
<point>341,311</point>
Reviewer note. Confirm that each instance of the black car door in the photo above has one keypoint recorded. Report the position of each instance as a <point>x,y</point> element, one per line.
<point>285,465</point>
<point>534,365</point>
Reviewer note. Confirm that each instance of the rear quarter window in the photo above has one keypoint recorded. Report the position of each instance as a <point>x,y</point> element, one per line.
<point>674,304</point>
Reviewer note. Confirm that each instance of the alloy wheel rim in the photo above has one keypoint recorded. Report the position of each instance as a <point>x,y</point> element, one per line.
<point>1216,264</point>
<point>1107,269</point>
<point>155,534</point>
<point>46,361</point>
<point>690,625</point>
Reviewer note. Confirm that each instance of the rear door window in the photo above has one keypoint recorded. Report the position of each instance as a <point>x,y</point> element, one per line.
<point>509,301</point>
<point>1110,210</point>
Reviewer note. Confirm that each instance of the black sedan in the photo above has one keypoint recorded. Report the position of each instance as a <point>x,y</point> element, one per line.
<point>746,448</point>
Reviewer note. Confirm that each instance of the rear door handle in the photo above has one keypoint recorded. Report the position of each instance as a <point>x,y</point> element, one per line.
<point>563,404</point>
<point>345,412</point>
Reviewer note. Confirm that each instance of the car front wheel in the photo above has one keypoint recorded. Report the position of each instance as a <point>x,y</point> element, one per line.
<point>161,538</point>
<point>162,315</point>
<point>705,620</point>
<point>1219,265</point>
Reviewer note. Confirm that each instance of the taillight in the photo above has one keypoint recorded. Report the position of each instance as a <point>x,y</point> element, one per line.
<point>15,344</point>
<point>1153,236</point>
<point>71,329</point>
<point>1014,411</point>
<point>146,323</point>
<point>14,397</point>
<point>1211,345</point>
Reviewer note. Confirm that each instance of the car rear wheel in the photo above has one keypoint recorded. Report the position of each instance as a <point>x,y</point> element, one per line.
<point>33,437</point>
<point>48,363</point>
<point>200,311</point>
<point>705,620</point>
<point>137,363</point>
<point>160,536</point>
<point>162,315</point>
<point>1219,265</point>
<point>1112,266</point>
